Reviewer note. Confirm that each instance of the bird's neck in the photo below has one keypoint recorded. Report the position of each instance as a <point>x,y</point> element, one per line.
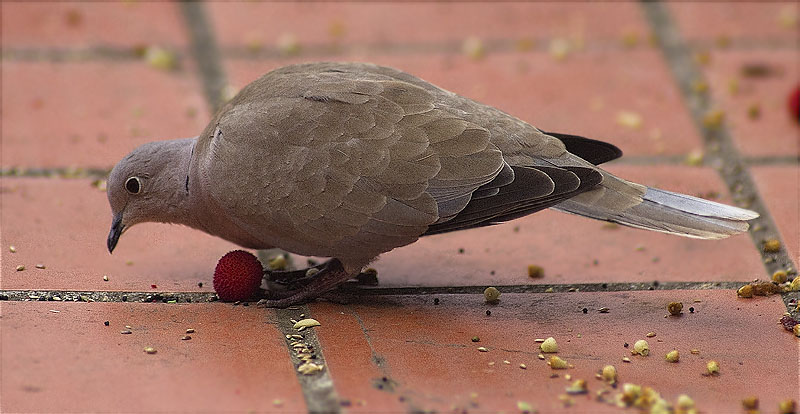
<point>176,188</point>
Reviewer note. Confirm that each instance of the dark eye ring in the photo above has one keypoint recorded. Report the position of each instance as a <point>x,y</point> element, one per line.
<point>133,185</point>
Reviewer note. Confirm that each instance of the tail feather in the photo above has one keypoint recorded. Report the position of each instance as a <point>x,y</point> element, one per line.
<point>667,212</point>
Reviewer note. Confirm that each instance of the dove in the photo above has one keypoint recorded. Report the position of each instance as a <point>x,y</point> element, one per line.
<point>351,160</point>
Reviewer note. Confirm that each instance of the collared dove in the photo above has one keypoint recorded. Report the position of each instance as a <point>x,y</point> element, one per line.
<point>351,160</point>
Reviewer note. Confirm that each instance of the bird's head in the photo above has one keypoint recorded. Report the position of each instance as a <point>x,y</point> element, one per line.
<point>147,185</point>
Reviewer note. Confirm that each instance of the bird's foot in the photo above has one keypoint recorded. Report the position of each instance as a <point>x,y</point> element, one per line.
<point>302,286</point>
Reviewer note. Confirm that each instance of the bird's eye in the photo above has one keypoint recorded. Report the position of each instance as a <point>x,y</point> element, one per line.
<point>133,185</point>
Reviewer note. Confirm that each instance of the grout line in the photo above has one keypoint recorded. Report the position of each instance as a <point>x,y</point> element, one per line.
<point>204,49</point>
<point>318,388</point>
<point>719,145</point>
<point>353,288</point>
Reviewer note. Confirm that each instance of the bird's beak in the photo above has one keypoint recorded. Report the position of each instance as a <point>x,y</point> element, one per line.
<point>116,231</point>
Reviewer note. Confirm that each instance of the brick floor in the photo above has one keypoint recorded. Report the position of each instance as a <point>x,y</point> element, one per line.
<point>48,120</point>
<point>751,21</point>
<point>419,23</point>
<point>81,24</point>
<point>70,362</point>
<point>75,95</point>
<point>399,336</point>
<point>780,188</point>
<point>773,131</point>
<point>72,244</point>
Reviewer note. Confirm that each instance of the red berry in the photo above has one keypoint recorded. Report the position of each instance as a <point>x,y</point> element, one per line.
<point>237,276</point>
<point>794,103</point>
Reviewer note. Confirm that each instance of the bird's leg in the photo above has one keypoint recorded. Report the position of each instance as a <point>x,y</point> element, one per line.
<point>282,280</point>
<point>330,275</point>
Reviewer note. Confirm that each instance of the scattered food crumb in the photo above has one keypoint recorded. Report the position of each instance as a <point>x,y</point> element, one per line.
<point>694,158</point>
<point>105,278</point>
<point>309,368</point>
<point>306,323</point>
<point>186,338</point>
<point>712,368</point>
<point>523,366</point>
<point>40,266</point>
<point>278,262</point>
<point>549,345</point>
<point>675,308</point>
<point>673,356</point>
<point>609,374</point>
<point>629,119</point>
<point>754,111</point>
<point>758,288</point>
<point>750,402</point>
<point>650,334</point>
<point>482,349</point>
<point>524,407</point>
<point>473,48</point>
<point>150,350</point>
<point>772,246</point>
<point>713,119</point>
<point>160,58</point>
<point>557,363</point>
<point>626,359</point>
<point>787,407</point>
<point>491,294</point>
<point>20,268</point>
<point>604,310</point>
<point>288,44</point>
<point>535,271</point>
<point>578,387</point>
<point>12,249</point>
<point>641,347</point>
<point>559,48</point>
<point>780,276</point>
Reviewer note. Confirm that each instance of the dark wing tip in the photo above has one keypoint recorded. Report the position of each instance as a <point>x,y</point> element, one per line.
<point>592,150</point>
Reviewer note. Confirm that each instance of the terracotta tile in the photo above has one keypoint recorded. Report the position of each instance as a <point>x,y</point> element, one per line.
<point>418,23</point>
<point>426,352</point>
<point>555,96</point>
<point>93,113</point>
<point>82,24</point>
<point>567,247</point>
<point>774,132</point>
<point>779,185</point>
<point>64,224</point>
<point>756,20</point>
<point>235,361</point>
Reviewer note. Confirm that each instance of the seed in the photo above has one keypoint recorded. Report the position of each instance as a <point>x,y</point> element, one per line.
<point>540,356</point>
<point>482,349</point>
<point>650,334</point>
<point>277,263</point>
<point>795,286</point>
<point>772,246</point>
<point>750,403</point>
<point>186,338</point>
<point>713,119</point>
<point>40,266</point>
<point>309,368</point>
<point>306,323</point>
<point>641,347</point>
<point>524,407</point>
<point>673,356</point>
<point>150,350</point>
<point>685,404</point>
<point>626,359</point>
<point>507,362</point>
<point>12,249</point>
<point>610,374</point>
<point>549,345</point>
<point>787,407</point>
<point>603,310</point>
<point>190,330</point>
<point>695,352</point>
<point>745,291</point>
<point>535,271</point>
<point>712,367</point>
<point>20,268</point>
<point>675,308</point>
<point>523,366</point>
<point>105,278</point>
<point>476,339</point>
<point>578,387</point>
<point>126,332</point>
<point>796,330</point>
<point>779,276</point>
<point>557,363</point>
<point>491,294</point>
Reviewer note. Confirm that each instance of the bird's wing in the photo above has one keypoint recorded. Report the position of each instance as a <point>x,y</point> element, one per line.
<point>338,163</point>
